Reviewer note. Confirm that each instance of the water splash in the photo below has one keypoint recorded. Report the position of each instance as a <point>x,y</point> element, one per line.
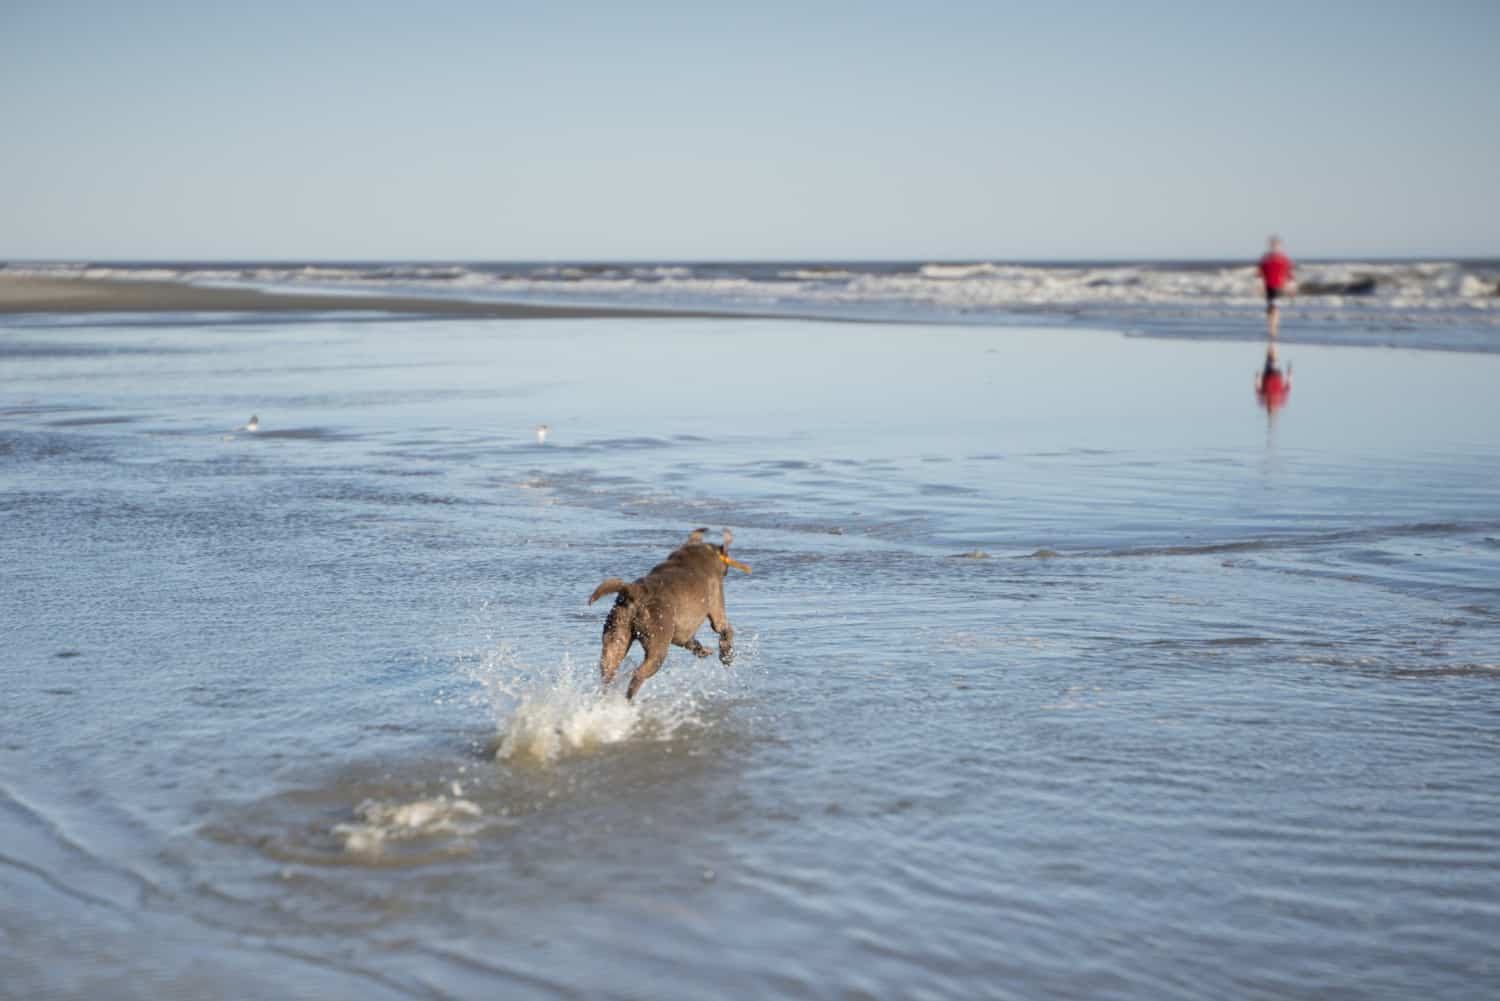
<point>550,716</point>
<point>546,714</point>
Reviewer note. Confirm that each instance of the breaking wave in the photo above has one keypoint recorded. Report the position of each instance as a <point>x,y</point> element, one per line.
<point>1161,297</point>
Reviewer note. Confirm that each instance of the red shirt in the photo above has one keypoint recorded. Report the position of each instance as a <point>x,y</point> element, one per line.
<point>1274,389</point>
<point>1275,270</point>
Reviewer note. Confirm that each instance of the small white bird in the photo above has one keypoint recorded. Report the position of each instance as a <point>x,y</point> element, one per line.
<point>541,434</point>
<point>251,425</point>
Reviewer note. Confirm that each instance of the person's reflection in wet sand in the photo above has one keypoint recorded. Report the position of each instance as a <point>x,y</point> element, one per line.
<point>1273,384</point>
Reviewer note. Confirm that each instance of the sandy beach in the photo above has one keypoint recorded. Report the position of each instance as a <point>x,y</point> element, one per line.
<point>30,294</point>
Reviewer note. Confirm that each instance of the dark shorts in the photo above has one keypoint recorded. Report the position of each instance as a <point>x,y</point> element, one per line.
<point>1272,294</point>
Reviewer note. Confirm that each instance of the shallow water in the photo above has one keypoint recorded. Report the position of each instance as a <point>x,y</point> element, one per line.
<point>1063,671</point>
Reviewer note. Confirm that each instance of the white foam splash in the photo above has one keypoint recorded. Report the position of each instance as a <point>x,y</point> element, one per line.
<point>380,822</point>
<point>543,715</point>
<point>561,715</point>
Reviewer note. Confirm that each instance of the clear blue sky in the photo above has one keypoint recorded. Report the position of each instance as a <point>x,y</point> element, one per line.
<point>641,130</point>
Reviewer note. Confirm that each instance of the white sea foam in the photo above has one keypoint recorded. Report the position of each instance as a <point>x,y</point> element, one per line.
<point>378,823</point>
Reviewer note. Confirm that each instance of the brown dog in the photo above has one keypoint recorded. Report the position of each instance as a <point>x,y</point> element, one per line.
<point>666,607</point>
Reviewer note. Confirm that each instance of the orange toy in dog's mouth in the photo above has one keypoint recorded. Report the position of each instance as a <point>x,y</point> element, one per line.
<point>734,562</point>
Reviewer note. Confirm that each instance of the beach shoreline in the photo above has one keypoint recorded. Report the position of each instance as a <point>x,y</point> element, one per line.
<point>41,294</point>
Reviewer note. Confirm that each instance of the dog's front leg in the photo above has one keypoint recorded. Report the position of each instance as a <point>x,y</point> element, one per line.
<point>719,622</point>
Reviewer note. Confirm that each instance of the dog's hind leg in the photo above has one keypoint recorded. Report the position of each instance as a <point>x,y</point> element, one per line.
<point>616,643</point>
<point>656,654</point>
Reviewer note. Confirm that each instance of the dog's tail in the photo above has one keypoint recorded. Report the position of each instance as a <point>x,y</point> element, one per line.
<point>615,586</point>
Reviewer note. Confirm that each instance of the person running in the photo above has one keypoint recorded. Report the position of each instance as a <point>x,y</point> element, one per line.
<point>1276,275</point>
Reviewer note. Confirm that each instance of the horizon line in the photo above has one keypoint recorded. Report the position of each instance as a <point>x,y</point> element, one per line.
<point>991,259</point>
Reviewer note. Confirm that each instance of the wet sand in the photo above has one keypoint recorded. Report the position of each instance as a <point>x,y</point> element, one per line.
<point>27,294</point>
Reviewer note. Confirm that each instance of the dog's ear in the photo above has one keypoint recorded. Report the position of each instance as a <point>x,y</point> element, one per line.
<point>696,536</point>
<point>728,538</point>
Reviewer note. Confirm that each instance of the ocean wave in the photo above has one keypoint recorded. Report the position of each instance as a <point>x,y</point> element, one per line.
<point>958,272</point>
<point>817,274</point>
<point>1330,295</point>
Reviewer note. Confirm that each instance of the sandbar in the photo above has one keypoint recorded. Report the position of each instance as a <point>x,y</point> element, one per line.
<point>41,294</point>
